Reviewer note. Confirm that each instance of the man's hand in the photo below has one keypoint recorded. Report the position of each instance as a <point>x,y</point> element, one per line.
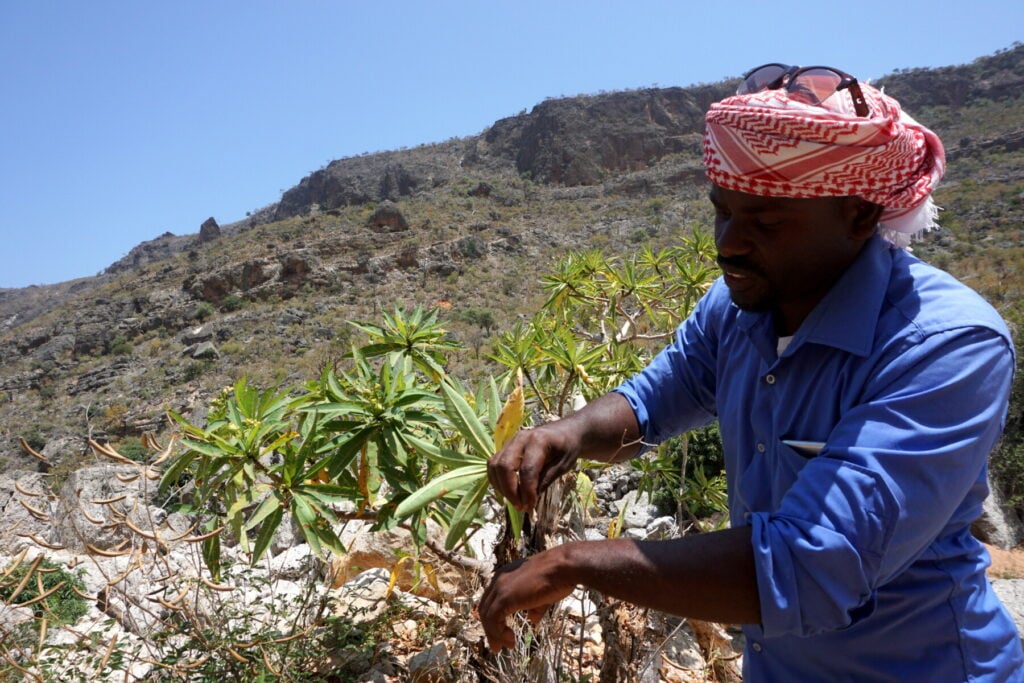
<point>705,576</point>
<point>531,585</point>
<point>531,461</point>
<point>604,430</point>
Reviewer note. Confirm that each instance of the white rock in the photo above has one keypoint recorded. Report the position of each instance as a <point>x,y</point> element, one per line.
<point>662,528</point>
<point>578,605</point>
<point>16,519</point>
<point>297,562</point>
<point>363,598</point>
<point>639,511</point>
<point>1011,593</point>
<point>430,666</point>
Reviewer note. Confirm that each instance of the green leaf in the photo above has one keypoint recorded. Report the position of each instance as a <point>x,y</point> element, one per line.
<point>325,493</point>
<point>494,403</point>
<point>278,442</point>
<point>343,407</point>
<point>266,508</point>
<point>441,455</point>
<point>211,556</point>
<point>328,538</point>
<point>346,453</point>
<point>465,513</point>
<point>515,518</point>
<point>209,449</point>
<point>314,521</point>
<point>307,520</point>
<point>333,387</point>
<point>466,421</point>
<point>267,531</point>
<point>173,473</point>
<point>440,487</point>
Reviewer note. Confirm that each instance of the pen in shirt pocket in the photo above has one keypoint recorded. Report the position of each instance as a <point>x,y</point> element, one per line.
<point>809,448</point>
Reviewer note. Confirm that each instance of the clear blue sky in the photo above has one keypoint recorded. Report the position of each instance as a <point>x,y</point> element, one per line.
<point>120,120</point>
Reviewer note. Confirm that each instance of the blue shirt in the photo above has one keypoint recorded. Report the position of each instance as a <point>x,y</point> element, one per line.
<point>866,567</point>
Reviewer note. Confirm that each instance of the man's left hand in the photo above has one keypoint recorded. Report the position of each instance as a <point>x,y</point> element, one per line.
<point>531,585</point>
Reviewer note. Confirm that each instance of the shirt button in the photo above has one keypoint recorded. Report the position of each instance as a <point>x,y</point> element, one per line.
<point>770,379</point>
<point>760,448</point>
<point>757,647</point>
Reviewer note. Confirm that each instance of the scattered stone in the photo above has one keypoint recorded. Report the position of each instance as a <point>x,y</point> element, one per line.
<point>209,230</point>
<point>638,511</point>
<point>482,189</point>
<point>197,335</point>
<point>364,598</point>
<point>430,666</point>
<point>94,502</point>
<point>205,351</point>
<point>662,528</point>
<point>296,563</point>
<point>388,218</point>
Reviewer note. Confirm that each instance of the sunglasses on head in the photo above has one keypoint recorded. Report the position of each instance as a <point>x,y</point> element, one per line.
<point>810,84</point>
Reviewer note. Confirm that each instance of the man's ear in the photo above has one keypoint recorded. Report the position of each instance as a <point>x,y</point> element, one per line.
<point>864,218</point>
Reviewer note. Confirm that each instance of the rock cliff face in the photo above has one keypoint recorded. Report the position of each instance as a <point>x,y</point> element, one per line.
<point>584,140</point>
<point>372,178</point>
<point>996,77</point>
<point>573,141</point>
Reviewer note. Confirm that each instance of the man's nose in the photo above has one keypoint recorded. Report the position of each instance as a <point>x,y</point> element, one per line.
<point>730,239</point>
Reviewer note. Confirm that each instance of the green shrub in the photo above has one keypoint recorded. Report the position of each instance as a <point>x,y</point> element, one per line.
<point>195,370</point>
<point>36,439</point>
<point>63,606</point>
<point>232,302</point>
<point>120,346</point>
<point>203,311</point>
<point>131,447</point>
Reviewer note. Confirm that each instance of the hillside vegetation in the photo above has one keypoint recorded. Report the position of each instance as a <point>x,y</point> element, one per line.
<point>467,226</point>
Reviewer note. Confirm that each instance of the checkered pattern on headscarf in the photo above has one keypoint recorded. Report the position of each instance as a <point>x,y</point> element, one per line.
<point>768,144</point>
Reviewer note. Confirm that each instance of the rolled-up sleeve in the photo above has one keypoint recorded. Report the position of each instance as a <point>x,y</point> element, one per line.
<point>676,391</point>
<point>906,461</point>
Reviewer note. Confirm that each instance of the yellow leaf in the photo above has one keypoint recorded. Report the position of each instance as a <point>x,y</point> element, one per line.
<point>431,574</point>
<point>582,372</point>
<point>396,571</point>
<point>613,529</point>
<point>511,415</point>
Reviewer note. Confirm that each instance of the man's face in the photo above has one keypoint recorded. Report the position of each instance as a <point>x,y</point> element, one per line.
<point>783,255</point>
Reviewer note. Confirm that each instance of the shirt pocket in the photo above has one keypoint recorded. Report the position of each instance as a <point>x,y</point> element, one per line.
<point>770,475</point>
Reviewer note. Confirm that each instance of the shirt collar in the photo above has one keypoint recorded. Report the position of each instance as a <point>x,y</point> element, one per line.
<point>847,316</point>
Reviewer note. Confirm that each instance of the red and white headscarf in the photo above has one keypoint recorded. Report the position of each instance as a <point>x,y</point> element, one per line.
<point>770,145</point>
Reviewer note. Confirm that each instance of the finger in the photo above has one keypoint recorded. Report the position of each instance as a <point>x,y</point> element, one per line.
<point>550,473</point>
<point>503,472</point>
<point>536,614</point>
<point>496,629</point>
<point>505,640</point>
<point>532,466</point>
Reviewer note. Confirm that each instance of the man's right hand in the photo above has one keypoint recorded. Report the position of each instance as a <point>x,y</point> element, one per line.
<point>604,429</point>
<point>532,460</point>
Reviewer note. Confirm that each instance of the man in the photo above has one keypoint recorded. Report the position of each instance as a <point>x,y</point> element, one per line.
<point>858,390</point>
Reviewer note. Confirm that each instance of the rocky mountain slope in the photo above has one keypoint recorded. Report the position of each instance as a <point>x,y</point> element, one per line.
<point>467,225</point>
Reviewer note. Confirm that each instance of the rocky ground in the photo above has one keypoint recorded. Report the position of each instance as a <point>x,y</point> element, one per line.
<point>381,612</point>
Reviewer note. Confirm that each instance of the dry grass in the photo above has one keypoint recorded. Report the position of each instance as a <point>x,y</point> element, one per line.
<point>1006,564</point>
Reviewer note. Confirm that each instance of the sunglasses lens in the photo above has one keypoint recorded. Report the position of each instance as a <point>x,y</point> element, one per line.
<point>813,86</point>
<point>761,78</point>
